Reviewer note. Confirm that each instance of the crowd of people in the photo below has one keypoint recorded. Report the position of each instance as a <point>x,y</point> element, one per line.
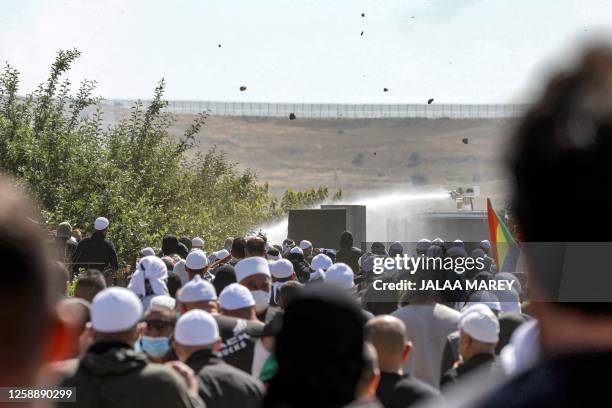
<point>254,322</point>
<point>292,325</point>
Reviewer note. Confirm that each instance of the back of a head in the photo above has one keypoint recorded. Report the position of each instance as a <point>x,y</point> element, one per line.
<point>24,288</point>
<point>565,142</point>
<point>238,247</point>
<point>256,246</point>
<point>387,334</point>
<point>288,292</point>
<point>346,240</point>
<point>330,322</point>
<point>89,284</point>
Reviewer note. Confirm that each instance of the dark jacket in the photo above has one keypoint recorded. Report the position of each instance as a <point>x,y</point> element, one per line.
<point>237,345</point>
<point>347,253</point>
<point>114,375</point>
<point>95,252</point>
<point>482,361</point>
<point>222,385</point>
<point>401,391</point>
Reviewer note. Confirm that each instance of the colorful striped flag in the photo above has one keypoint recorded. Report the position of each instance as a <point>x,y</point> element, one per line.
<point>504,247</point>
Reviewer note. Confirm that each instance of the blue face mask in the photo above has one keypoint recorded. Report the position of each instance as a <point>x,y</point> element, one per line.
<point>155,346</point>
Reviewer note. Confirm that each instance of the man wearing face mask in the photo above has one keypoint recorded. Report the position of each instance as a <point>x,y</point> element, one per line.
<point>112,374</point>
<point>254,274</point>
<point>155,339</point>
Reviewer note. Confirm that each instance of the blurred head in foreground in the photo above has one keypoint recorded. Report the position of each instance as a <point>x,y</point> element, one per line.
<point>32,333</point>
<point>331,323</point>
<point>564,143</point>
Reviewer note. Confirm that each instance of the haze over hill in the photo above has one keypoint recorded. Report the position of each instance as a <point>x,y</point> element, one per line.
<point>358,155</point>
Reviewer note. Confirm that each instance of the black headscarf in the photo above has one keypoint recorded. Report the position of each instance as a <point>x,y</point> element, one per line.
<point>325,372</point>
<point>171,245</point>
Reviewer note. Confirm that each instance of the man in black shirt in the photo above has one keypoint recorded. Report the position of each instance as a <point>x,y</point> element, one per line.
<point>396,389</point>
<point>96,252</point>
<point>479,334</point>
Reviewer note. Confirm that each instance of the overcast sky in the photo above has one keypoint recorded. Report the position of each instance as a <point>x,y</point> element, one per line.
<point>456,51</point>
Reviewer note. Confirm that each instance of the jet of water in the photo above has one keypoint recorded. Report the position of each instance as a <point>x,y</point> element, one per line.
<point>391,216</point>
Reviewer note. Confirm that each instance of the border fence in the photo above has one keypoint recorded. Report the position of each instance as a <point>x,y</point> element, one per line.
<point>336,111</point>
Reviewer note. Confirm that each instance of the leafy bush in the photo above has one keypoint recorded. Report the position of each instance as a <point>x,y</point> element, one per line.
<point>135,172</point>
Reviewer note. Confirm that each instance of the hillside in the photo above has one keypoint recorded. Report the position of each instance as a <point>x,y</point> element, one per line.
<point>359,155</point>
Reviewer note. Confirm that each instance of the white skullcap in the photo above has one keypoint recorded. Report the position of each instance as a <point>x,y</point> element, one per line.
<point>281,269</point>
<point>235,296</point>
<point>322,262</point>
<point>470,307</point>
<point>196,328</point>
<point>485,244</point>
<point>100,224</point>
<point>163,301</point>
<point>316,275</point>
<point>296,250</point>
<point>480,323</point>
<point>148,251</point>
<point>438,239</point>
<point>305,244</point>
<point>197,242</point>
<point>197,290</point>
<point>114,310</point>
<point>340,274</point>
<point>221,254</point>
<point>196,260</point>
<point>251,266</point>
<point>423,244</point>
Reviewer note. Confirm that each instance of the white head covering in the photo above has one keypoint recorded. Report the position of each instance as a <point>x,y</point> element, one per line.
<point>196,260</point>
<point>485,244</point>
<point>101,223</point>
<point>316,275</point>
<point>197,290</point>
<point>251,266</point>
<point>196,328</point>
<point>340,274</point>
<point>148,251</point>
<point>114,310</point>
<point>153,269</point>
<point>235,296</point>
<point>163,301</point>
<point>197,242</point>
<point>218,255</point>
<point>305,244</point>
<point>321,262</point>
<point>296,250</point>
<point>523,350</point>
<point>281,269</point>
<point>179,269</point>
<point>480,324</point>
